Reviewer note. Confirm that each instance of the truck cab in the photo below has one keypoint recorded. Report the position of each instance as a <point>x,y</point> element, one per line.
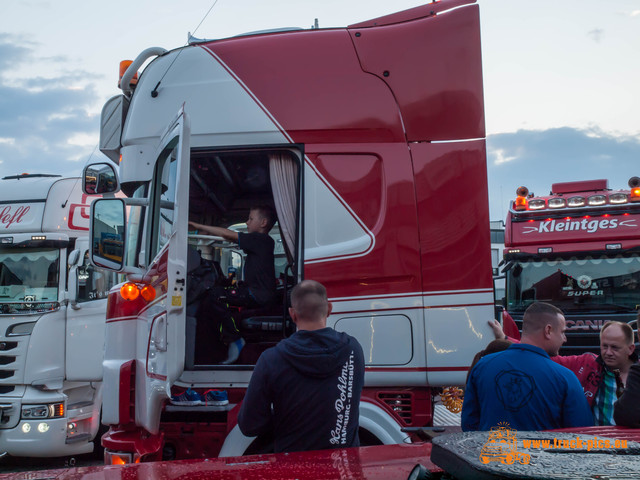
<point>52,313</point>
<point>368,142</point>
<point>576,248</point>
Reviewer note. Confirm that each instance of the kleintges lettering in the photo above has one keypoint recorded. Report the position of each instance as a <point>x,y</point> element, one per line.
<point>8,216</point>
<point>583,225</point>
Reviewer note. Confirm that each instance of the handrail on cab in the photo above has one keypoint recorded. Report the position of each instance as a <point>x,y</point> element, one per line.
<point>135,65</point>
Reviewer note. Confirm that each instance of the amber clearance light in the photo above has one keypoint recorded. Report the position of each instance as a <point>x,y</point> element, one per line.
<point>148,293</point>
<point>634,185</point>
<point>521,199</point>
<point>124,64</point>
<point>130,291</point>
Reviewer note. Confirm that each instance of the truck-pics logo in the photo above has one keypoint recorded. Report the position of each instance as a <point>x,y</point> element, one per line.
<point>502,446</point>
<point>9,215</point>
<point>584,225</point>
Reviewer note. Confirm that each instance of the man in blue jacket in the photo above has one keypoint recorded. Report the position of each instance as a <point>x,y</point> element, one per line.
<point>522,385</point>
<point>306,390</point>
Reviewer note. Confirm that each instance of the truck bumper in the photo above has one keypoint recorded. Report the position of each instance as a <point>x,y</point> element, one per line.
<point>43,438</point>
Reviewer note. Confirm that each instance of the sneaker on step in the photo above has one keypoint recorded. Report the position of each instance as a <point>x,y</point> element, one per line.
<point>234,351</point>
<point>216,398</point>
<point>189,398</point>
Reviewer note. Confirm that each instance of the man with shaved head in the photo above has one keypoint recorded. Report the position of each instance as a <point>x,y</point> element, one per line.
<point>306,390</point>
<point>522,386</point>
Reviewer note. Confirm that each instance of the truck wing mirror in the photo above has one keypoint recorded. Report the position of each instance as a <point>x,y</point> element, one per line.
<point>74,256</point>
<point>100,178</point>
<point>107,233</point>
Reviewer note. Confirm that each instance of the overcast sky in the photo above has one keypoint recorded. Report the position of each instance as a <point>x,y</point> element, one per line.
<point>561,78</point>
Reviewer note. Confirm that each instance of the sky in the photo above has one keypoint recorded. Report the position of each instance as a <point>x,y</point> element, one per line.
<point>561,78</point>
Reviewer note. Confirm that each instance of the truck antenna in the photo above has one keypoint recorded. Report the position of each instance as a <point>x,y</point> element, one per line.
<point>154,92</point>
<point>205,17</point>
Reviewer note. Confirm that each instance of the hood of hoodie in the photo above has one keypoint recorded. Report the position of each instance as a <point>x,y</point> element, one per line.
<point>317,353</point>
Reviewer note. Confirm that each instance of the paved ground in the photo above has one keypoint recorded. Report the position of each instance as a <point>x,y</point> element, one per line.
<point>10,464</point>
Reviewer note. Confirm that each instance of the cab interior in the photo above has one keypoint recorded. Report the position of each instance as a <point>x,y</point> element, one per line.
<point>224,185</point>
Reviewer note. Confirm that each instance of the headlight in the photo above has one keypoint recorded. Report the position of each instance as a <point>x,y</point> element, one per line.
<point>575,202</point>
<point>536,204</point>
<point>597,200</point>
<point>556,203</point>
<point>618,198</point>
<point>52,410</point>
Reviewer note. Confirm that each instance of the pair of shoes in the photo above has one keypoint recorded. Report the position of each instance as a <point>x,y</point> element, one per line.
<point>189,398</point>
<point>216,398</point>
<point>234,351</point>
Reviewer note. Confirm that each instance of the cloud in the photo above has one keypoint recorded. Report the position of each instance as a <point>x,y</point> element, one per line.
<point>10,54</point>
<point>42,118</point>
<point>539,158</point>
<point>596,34</point>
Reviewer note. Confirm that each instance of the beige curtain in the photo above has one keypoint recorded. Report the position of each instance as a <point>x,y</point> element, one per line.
<point>283,171</point>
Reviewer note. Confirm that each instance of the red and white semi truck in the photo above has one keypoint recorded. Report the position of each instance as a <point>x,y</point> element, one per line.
<point>577,248</point>
<point>369,143</point>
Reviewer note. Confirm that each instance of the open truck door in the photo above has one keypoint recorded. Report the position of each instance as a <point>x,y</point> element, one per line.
<point>161,343</point>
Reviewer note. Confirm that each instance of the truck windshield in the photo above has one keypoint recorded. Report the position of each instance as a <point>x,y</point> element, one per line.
<point>576,284</point>
<point>29,275</point>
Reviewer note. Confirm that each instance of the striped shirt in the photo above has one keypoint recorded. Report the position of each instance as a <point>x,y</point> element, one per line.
<point>606,396</point>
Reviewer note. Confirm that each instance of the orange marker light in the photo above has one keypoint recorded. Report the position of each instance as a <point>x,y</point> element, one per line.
<point>58,410</point>
<point>124,64</point>
<point>520,203</point>
<point>148,293</point>
<point>635,194</point>
<point>118,460</point>
<point>129,291</point>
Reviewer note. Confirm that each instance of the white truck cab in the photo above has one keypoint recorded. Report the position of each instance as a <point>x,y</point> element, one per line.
<point>52,315</point>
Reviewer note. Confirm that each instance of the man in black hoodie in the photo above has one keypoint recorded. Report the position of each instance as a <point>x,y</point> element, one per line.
<point>306,390</point>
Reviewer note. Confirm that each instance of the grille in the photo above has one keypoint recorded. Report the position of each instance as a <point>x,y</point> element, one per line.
<point>6,373</point>
<point>6,359</point>
<point>401,403</point>
<point>4,389</point>
<point>23,308</point>
<point>5,346</point>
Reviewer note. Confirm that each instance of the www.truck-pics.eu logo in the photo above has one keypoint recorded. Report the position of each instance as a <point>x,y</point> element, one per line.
<point>502,445</point>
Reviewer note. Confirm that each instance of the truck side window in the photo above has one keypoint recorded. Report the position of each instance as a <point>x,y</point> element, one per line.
<point>164,196</point>
<point>93,283</point>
